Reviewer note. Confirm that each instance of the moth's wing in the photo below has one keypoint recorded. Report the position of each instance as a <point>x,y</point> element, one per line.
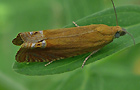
<point>37,55</point>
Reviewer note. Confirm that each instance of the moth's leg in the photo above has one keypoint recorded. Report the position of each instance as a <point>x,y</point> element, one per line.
<point>89,57</point>
<point>75,24</point>
<point>48,63</point>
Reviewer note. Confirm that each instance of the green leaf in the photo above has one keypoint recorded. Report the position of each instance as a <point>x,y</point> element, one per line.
<point>117,72</point>
<point>128,17</point>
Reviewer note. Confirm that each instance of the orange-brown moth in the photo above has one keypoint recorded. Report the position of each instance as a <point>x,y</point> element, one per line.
<point>56,44</point>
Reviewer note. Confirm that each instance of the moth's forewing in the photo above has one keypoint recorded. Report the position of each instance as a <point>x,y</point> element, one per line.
<point>67,42</point>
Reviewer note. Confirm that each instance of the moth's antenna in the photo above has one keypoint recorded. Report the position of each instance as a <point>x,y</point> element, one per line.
<point>129,35</point>
<point>115,12</point>
<point>117,22</point>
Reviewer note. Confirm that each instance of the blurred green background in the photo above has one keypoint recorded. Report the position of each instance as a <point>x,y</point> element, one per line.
<point>123,73</point>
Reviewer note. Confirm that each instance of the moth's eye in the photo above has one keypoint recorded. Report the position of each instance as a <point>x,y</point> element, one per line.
<point>117,35</point>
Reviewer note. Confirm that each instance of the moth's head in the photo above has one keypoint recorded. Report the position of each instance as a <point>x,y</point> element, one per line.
<point>121,31</point>
<point>18,40</point>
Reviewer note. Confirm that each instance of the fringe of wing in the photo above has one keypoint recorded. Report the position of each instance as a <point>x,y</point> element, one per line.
<point>36,55</point>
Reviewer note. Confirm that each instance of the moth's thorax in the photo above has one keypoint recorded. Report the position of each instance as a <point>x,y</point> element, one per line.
<point>118,31</point>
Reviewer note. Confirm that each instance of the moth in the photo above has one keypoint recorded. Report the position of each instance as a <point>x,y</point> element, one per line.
<point>57,44</point>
